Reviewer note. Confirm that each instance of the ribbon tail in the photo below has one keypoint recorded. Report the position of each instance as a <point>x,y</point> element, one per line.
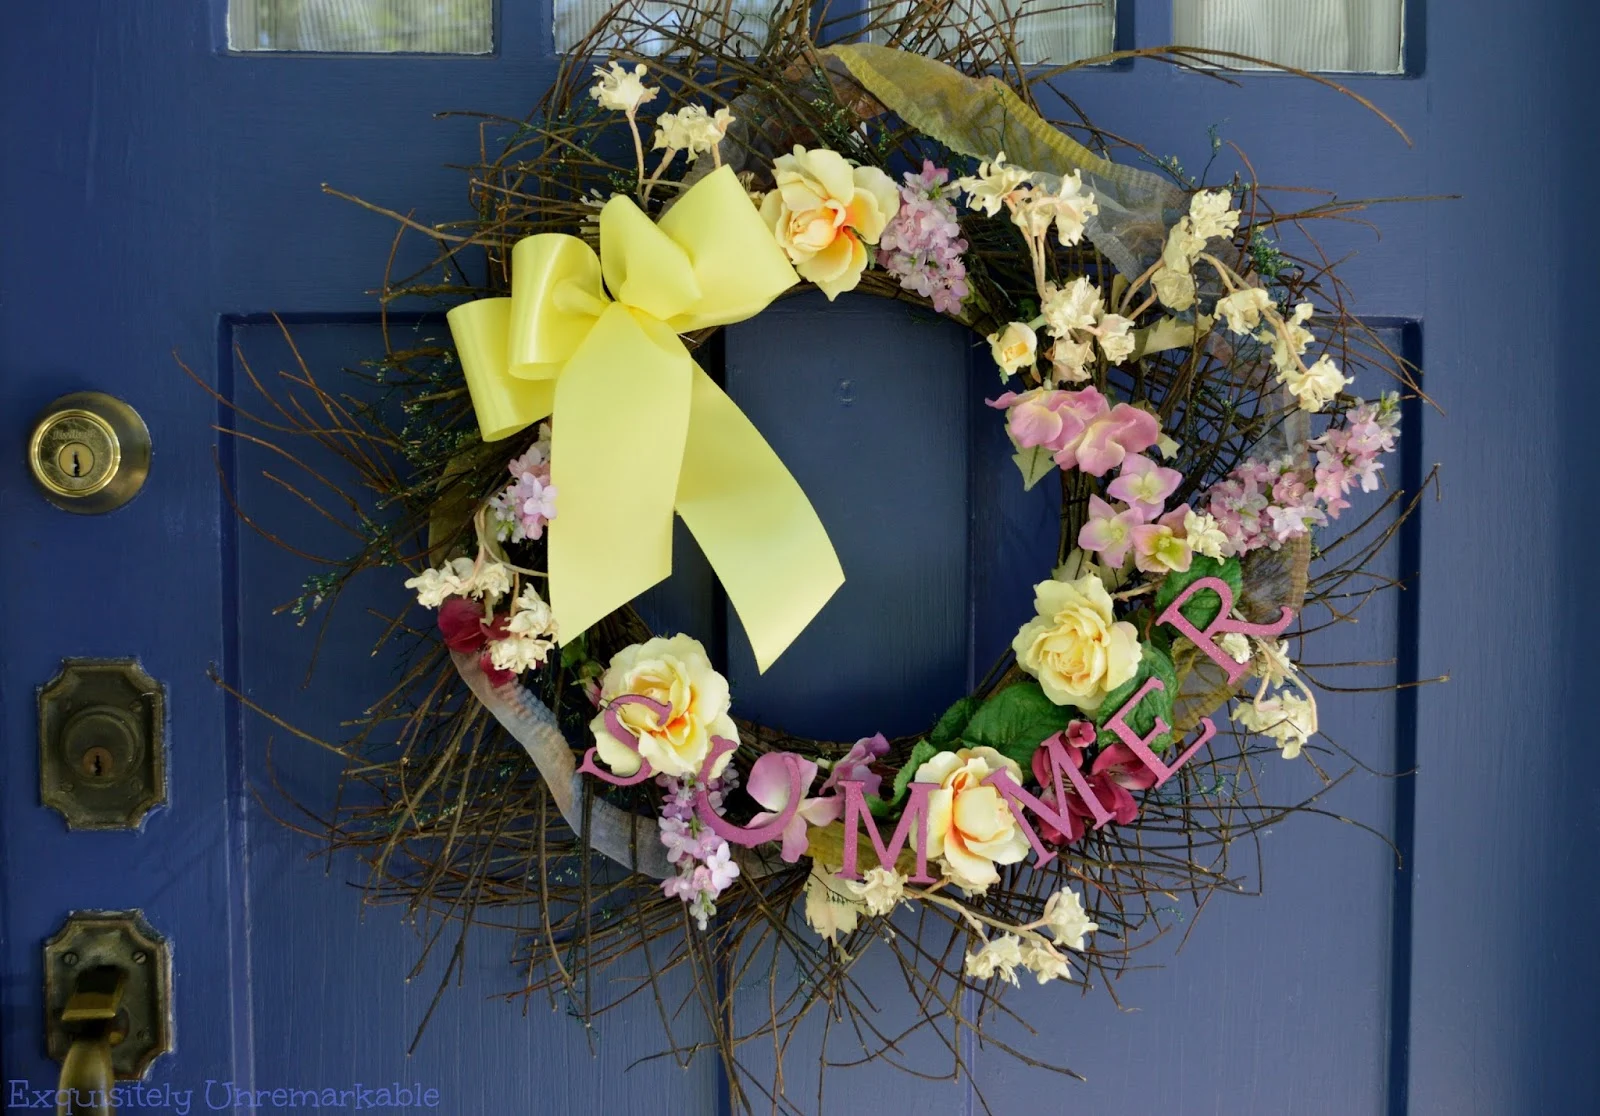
<point>504,404</point>
<point>753,522</point>
<point>622,414</point>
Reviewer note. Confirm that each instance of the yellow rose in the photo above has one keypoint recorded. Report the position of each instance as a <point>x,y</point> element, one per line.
<point>1013,347</point>
<point>824,212</point>
<point>1075,647</point>
<point>676,673</point>
<point>970,827</point>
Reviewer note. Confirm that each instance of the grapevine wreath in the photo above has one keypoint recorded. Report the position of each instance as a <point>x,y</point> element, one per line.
<point>1163,361</point>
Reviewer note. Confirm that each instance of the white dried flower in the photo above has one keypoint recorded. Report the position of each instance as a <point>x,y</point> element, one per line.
<point>517,654</point>
<point>1236,645</point>
<point>1242,309</point>
<point>998,957</point>
<point>988,189</point>
<point>1317,386</point>
<point>1174,288</point>
<point>1272,661</point>
<point>492,579</point>
<point>1289,340</point>
<point>433,587</point>
<point>692,129</point>
<point>1076,306</point>
<point>1071,207</point>
<point>1210,215</point>
<point>621,89</point>
<point>880,889</point>
<point>1067,360</point>
<point>830,909</point>
<point>1067,920</point>
<point>1115,334</point>
<point>1203,534</point>
<point>1289,719</point>
<point>1045,963</point>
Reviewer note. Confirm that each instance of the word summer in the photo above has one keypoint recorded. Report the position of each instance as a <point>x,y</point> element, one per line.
<point>1059,765</point>
<point>221,1096</point>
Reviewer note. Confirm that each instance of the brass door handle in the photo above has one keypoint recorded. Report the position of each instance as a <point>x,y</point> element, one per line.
<point>90,1017</point>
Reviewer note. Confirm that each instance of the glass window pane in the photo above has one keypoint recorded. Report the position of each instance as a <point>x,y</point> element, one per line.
<point>362,26</point>
<point>1051,31</point>
<point>1329,36</point>
<point>645,26</point>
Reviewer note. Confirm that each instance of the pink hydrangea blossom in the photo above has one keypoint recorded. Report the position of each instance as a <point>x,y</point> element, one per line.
<point>922,245</point>
<point>1109,531</point>
<point>1080,428</point>
<point>1162,547</point>
<point>1144,485</point>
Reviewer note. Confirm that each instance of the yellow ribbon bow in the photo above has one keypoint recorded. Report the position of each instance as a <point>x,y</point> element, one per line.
<point>639,429</point>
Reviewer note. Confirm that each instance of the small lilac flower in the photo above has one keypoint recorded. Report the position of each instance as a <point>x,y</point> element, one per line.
<point>922,245</point>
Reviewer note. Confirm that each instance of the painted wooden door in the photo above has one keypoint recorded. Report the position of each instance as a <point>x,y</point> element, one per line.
<point>161,194</point>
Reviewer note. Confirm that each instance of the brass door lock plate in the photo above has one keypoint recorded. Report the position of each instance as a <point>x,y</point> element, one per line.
<point>89,452</point>
<point>102,744</point>
<point>121,940</point>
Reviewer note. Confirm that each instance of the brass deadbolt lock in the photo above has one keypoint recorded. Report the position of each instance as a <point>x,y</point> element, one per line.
<point>89,453</point>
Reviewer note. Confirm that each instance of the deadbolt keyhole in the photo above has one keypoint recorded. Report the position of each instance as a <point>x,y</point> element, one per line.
<point>76,460</point>
<point>98,763</point>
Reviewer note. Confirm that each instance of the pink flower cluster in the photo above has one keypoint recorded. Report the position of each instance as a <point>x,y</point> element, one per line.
<point>922,245</point>
<point>1081,428</point>
<point>1266,504</point>
<point>1113,777</point>
<point>704,860</point>
<point>522,509</point>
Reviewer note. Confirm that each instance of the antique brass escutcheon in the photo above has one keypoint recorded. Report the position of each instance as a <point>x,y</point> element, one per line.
<point>102,744</point>
<point>107,983</point>
<point>89,452</point>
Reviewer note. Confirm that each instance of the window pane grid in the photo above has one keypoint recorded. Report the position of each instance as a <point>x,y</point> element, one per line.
<point>1050,31</point>
<point>362,26</point>
<point>1327,36</point>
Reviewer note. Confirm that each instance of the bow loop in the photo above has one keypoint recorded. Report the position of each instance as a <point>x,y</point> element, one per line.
<point>556,296</point>
<point>640,430</point>
<point>644,267</point>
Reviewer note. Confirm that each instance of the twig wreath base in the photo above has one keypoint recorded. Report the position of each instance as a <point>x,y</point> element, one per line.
<point>1165,361</point>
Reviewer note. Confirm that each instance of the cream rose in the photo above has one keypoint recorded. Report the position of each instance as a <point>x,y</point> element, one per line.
<point>1075,647</point>
<point>824,212</point>
<point>676,673</point>
<point>1013,347</point>
<point>970,827</point>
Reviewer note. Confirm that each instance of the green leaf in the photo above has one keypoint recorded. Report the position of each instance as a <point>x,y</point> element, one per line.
<point>1153,662</point>
<point>576,652</point>
<point>921,754</point>
<point>1016,721</point>
<point>1035,463</point>
<point>1203,607</point>
<point>954,720</point>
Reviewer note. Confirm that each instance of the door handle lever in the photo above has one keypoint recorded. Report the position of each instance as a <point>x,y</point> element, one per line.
<point>90,1017</point>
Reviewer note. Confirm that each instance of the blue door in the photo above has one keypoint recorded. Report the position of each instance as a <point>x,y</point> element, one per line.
<point>163,193</point>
